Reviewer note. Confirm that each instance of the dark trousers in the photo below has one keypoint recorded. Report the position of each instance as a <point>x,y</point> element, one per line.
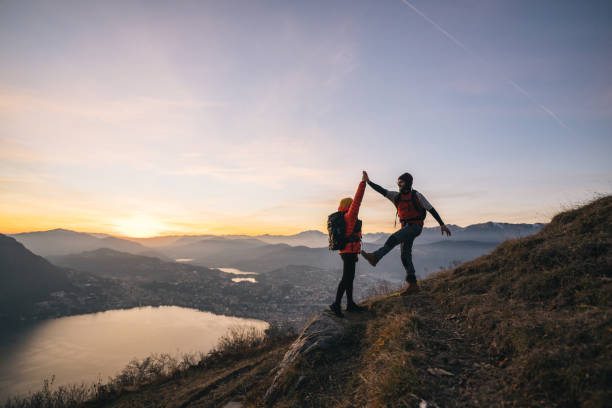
<point>405,237</point>
<point>348,275</point>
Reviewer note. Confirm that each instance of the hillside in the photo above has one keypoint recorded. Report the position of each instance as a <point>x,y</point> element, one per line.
<point>109,263</point>
<point>26,278</point>
<point>528,325</point>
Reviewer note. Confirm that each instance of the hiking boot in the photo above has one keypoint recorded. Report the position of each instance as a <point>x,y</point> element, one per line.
<point>334,307</point>
<point>354,307</point>
<point>409,289</point>
<point>369,257</point>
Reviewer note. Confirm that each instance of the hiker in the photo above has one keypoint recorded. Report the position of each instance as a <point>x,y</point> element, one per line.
<point>350,209</point>
<point>412,209</point>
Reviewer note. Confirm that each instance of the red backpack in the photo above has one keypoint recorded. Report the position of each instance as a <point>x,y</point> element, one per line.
<point>409,209</point>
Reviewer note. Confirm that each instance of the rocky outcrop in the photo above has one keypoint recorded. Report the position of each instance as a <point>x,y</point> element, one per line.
<point>320,333</point>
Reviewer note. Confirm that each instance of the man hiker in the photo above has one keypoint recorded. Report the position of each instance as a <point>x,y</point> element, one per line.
<point>411,208</point>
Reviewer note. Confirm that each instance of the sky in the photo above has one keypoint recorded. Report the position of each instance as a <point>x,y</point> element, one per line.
<point>142,118</point>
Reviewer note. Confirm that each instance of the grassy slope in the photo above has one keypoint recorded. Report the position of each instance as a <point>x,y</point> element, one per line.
<point>541,306</point>
<point>527,325</point>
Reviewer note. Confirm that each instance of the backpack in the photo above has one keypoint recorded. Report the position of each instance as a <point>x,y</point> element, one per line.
<point>422,213</point>
<point>336,229</point>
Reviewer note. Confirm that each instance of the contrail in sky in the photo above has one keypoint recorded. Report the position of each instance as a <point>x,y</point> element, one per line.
<point>469,51</point>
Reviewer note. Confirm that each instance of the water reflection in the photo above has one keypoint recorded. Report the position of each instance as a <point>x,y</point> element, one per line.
<point>88,347</point>
<point>235,271</point>
<point>252,280</point>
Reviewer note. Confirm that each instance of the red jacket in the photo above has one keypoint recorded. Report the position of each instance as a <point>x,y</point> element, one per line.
<point>350,218</point>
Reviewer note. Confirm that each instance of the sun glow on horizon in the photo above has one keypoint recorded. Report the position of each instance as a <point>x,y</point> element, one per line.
<point>139,226</point>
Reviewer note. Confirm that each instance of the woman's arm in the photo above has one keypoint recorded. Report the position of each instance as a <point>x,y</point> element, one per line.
<point>354,209</point>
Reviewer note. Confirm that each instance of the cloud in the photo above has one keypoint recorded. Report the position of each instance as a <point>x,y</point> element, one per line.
<point>90,107</point>
<point>86,130</point>
<point>270,175</point>
<point>13,151</point>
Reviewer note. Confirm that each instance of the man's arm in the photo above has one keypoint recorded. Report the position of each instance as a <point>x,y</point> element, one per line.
<point>443,227</point>
<point>388,194</point>
<point>378,188</point>
<point>433,212</point>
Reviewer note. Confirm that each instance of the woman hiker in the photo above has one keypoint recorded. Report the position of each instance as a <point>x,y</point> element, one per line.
<point>411,208</point>
<point>350,253</point>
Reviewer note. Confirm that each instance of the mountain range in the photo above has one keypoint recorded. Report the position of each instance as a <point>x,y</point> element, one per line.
<point>101,266</point>
<point>487,232</point>
<point>63,242</point>
<point>81,272</point>
<point>264,253</point>
<point>254,255</point>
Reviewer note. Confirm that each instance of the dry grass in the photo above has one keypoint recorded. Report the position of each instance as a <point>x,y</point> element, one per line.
<point>542,304</point>
<point>383,289</point>
<point>388,371</point>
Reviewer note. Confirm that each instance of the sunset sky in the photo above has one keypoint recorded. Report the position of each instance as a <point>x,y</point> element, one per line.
<point>144,118</point>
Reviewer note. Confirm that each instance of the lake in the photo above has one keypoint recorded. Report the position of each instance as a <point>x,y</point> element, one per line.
<point>251,280</point>
<point>87,347</point>
<point>235,271</point>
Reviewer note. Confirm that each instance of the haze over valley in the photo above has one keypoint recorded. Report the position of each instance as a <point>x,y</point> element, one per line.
<point>296,274</point>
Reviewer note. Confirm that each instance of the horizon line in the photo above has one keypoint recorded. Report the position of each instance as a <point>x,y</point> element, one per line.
<point>189,234</point>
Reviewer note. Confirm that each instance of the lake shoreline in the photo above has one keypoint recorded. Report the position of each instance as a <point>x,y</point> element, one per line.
<point>91,347</point>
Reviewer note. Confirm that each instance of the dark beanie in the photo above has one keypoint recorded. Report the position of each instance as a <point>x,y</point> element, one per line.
<point>407,177</point>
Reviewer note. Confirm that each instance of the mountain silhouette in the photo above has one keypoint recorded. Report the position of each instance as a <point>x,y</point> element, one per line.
<point>26,278</point>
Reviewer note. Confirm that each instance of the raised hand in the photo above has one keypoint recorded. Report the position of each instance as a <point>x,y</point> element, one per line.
<point>364,176</point>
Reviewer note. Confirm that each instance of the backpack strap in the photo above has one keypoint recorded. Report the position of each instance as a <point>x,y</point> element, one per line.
<point>416,202</point>
<point>354,237</point>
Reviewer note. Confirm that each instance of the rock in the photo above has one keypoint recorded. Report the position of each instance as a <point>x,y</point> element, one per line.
<point>439,371</point>
<point>427,404</point>
<point>301,381</point>
<point>320,333</point>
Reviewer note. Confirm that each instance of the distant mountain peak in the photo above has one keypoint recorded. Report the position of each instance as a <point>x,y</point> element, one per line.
<point>310,232</point>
